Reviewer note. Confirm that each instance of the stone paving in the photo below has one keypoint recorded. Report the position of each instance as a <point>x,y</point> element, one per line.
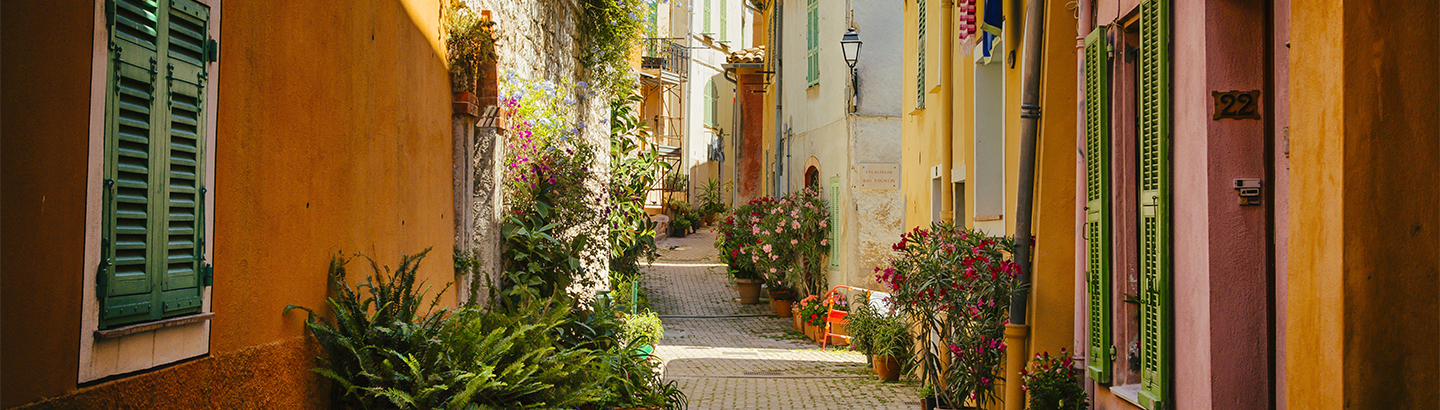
<point>725,355</point>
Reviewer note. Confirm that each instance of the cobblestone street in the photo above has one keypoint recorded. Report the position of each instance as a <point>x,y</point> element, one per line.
<point>726,355</point>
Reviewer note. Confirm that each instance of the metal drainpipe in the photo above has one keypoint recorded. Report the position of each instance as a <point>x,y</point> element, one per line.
<point>777,34</point>
<point>1017,332</point>
<point>1029,130</point>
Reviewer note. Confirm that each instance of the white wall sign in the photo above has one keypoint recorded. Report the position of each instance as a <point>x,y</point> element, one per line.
<point>879,176</point>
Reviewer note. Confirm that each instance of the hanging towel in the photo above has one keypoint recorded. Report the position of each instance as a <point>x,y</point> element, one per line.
<point>992,25</point>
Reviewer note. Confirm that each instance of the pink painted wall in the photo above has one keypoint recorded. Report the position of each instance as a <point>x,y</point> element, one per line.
<point>1221,288</point>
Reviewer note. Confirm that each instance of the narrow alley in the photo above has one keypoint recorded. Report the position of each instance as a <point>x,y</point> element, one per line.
<point>725,355</point>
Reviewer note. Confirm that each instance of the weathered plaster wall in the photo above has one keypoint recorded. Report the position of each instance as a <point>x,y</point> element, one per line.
<point>369,129</point>
<point>46,77</point>
<point>271,376</point>
<point>1362,315</point>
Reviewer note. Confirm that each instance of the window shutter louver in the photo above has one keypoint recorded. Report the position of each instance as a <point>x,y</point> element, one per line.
<point>710,103</point>
<point>812,41</point>
<point>1097,202</point>
<point>151,234</point>
<point>1155,247</point>
<point>185,98</point>
<point>125,282</point>
<point>724,22</point>
<point>834,223</point>
<point>920,51</point>
<point>706,15</point>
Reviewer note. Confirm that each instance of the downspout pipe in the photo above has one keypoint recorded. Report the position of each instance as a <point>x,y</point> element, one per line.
<point>1017,333</point>
<point>1029,133</point>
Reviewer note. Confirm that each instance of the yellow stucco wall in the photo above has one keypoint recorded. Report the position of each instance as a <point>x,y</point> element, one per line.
<point>1052,312</point>
<point>333,134</point>
<point>1365,195</point>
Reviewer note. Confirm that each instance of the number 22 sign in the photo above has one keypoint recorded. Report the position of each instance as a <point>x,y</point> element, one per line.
<point>1236,104</point>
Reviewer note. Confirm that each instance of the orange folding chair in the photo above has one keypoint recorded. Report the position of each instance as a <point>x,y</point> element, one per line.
<point>837,317</point>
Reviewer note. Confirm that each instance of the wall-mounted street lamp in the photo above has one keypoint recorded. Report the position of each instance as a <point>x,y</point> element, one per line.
<point>850,45</point>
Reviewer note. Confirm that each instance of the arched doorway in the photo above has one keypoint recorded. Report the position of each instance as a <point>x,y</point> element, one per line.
<point>812,173</point>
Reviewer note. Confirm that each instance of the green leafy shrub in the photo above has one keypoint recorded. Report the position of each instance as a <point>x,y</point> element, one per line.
<point>634,167</point>
<point>383,352</point>
<point>643,328</point>
<point>879,333</point>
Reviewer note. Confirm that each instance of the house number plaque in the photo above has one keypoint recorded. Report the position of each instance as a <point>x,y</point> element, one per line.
<point>1236,105</point>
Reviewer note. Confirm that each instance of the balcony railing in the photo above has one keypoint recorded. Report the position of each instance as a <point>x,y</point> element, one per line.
<point>667,55</point>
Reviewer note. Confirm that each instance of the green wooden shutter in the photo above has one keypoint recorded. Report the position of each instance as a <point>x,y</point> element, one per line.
<point>186,34</point>
<point>834,223</point>
<point>710,103</point>
<point>812,43</point>
<point>706,15</point>
<point>1097,202</point>
<point>125,283</point>
<point>1156,326</point>
<point>151,231</point>
<point>920,51</point>
<point>724,23</point>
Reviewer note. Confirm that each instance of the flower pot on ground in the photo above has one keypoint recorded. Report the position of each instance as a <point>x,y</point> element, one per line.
<point>781,307</point>
<point>887,367</point>
<point>795,314</point>
<point>749,290</point>
<point>782,300</point>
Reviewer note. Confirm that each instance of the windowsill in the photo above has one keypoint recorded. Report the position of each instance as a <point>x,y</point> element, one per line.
<point>1129,393</point>
<point>145,327</point>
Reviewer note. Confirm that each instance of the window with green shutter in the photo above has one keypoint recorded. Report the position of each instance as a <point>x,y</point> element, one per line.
<point>1097,202</point>
<point>711,101</point>
<point>706,16</point>
<point>724,21</point>
<point>920,54</point>
<point>152,229</point>
<point>834,223</point>
<point>1156,314</point>
<point>812,43</point>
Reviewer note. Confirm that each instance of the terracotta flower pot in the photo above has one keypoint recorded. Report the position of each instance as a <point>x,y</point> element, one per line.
<point>839,329</point>
<point>749,291</point>
<point>782,307</point>
<point>887,367</point>
<point>796,315</point>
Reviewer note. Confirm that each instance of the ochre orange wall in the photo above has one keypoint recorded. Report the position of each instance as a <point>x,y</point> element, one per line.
<point>1365,194</point>
<point>46,82</point>
<point>333,135</point>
